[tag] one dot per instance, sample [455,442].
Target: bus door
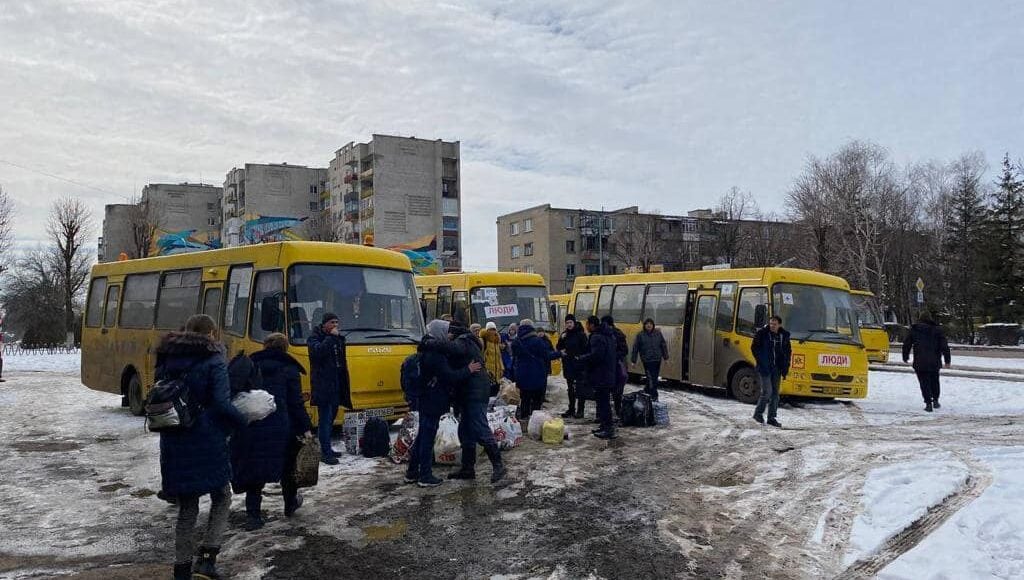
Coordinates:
[702,343]
[213,292]
[110,363]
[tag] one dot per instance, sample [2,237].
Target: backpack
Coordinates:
[637,410]
[412,379]
[167,406]
[376,438]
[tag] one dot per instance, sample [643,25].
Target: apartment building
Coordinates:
[272,202]
[401,193]
[116,236]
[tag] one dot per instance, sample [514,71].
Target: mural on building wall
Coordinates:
[264,229]
[168,243]
[422,252]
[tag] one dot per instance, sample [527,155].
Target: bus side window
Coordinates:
[460,313]
[139,303]
[179,298]
[666,304]
[746,317]
[628,303]
[430,309]
[584,305]
[113,293]
[267,305]
[211,304]
[97,291]
[604,301]
[726,305]
[444,301]
[237,304]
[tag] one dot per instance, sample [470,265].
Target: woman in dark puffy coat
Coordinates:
[573,343]
[532,354]
[264,452]
[195,461]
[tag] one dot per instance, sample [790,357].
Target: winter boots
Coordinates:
[936,404]
[253,516]
[183,571]
[206,564]
[292,505]
[928,406]
[462,473]
[497,465]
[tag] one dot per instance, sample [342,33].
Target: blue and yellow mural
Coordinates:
[264,229]
[168,243]
[422,252]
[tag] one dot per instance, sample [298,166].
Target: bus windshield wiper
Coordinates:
[393,335]
[812,332]
[347,331]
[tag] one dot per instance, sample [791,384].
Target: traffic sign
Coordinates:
[920,286]
[920,297]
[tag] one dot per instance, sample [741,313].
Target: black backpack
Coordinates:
[376,438]
[637,410]
[243,374]
[167,406]
[413,382]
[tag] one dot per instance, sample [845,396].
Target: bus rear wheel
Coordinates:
[136,403]
[746,385]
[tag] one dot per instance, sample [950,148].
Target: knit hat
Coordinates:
[328,317]
[569,317]
[491,326]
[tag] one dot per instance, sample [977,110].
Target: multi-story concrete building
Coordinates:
[401,193]
[560,243]
[179,217]
[271,202]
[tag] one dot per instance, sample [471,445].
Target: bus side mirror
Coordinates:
[760,315]
[270,314]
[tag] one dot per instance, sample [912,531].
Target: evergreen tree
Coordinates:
[1005,247]
[965,227]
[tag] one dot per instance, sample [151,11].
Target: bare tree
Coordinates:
[767,241]
[6,230]
[638,241]
[143,222]
[69,227]
[727,231]
[325,226]
[32,299]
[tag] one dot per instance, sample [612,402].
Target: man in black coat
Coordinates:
[772,351]
[930,348]
[573,343]
[621,352]
[601,362]
[328,374]
[471,397]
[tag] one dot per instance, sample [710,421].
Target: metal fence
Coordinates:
[19,350]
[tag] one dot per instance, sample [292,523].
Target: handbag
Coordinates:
[307,463]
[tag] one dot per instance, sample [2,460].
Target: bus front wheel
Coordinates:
[135,401]
[746,385]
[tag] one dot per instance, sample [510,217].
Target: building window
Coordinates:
[312,189]
[528,249]
[570,246]
[211,206]
[450,223]
[529,269]
[513,228]
[528,225]
[570,270]
[211,221]
[451,244]
[569,221]
[314,205]
[516,251]
[591,269]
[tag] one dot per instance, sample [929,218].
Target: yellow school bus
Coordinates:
[709,318]
[872,327]
[252,291]
[482,297]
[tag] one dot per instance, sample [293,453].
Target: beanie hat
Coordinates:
[328,317]
[491,326]
[569,317]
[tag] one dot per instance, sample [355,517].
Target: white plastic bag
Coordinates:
[513,431]
[254,405]
[536,424]
[447,449]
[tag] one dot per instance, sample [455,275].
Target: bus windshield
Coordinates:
[373,305]
[867,310]
[504,305]
[816,313]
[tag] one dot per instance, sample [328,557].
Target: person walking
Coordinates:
[438,380]
[533,354]
[772,351]
[472,396]
[600,362]
[492,355]
[621,352]
[572,343]
[507,338]
[196,461]
[265,451]
[651,348]
[930,348]
[328,369]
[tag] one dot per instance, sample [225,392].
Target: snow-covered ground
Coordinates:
[980,362]
[78,474]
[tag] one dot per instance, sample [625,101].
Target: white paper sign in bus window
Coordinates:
[787,298]
[834,360]
[501,310]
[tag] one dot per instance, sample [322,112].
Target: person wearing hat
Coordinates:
[573,343]
[492,355]
[328,372]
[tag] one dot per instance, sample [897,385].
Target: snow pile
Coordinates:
[54,363]
[984,539]
[981,362]
[896,495]
[891,396]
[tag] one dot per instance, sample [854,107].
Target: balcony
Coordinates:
[366,175]
[366,192]
[349,178]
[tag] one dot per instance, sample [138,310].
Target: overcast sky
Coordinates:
[664,105]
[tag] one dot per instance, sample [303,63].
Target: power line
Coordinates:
[58,177]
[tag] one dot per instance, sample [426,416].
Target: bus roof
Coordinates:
[863,293]
[559,298]
[708,278]
[264,254]
[469,280]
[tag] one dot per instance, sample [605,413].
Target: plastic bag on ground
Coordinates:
[509,393]
[401,450]
[505,427]
[660,414]
[352,431]
[447,449]
[254,405]
[307,463]
[536,424]
[553,431]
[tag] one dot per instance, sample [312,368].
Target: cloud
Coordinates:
[659,104]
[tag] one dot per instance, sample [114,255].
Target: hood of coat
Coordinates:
[277,356]
[490,335]
[180,343]
[525,331]
[438,329]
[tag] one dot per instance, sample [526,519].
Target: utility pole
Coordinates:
[600,242]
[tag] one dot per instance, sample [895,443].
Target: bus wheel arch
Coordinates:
[131,391]
[744,383]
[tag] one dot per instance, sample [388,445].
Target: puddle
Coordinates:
[143,492]
[46,446]
[387,532]
[112,487]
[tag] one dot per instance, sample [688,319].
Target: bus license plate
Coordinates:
[832,390]
[834,360]
[382,413]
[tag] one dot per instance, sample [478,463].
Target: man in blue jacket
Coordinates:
[329,377]
[532,354]
[772,351]
[601,362]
